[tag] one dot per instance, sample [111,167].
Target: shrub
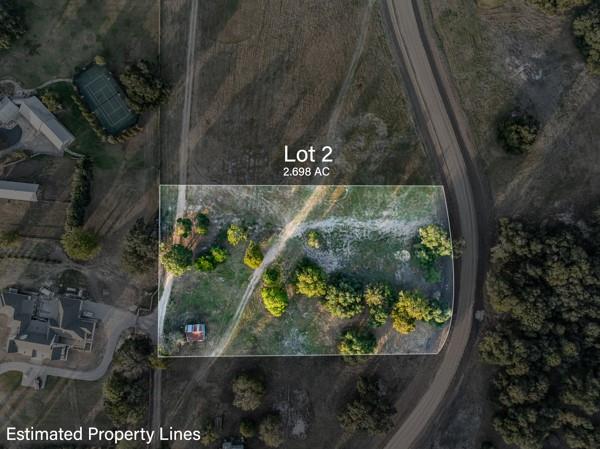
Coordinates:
[247,428]
[343,299]
[248,392]
[313,239]
[517,132]
[141,247]
[275,300]
[205,262]
[202,223]
[271,431]
[80,244]
[253,256]
[81,185]
[144,89]
[236,234]
[558,6]
[311,280]
[219,254]
[176,259]
[586,29]
[412,307]
[433,243]
[9,238]
[356,341]
[378,298]
[183,227]
[270,277]
[51,101]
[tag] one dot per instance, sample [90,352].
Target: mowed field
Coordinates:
[364,232]
[268,74]
[64,34]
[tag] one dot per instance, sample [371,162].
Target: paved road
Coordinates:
[449,144]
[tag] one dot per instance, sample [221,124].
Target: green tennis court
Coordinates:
[105,98]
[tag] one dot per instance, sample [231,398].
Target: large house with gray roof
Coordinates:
[44,327]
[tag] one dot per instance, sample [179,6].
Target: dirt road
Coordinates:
[448,143]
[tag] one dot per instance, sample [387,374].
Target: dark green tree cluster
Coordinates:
[544,287]
[144,89]
[357,341]
[201,224]
[177,259]
[253,256]
[379,300]
[140,247]
[344,298]
[183,227]
[12,23]
[81,187]
[433,243]
[209,260]
[126,389]
[517,132]
[273,293]
[80,244]
[270,430]
[370,411]
[586,29]
[413,306]
[558,6]
[248,391]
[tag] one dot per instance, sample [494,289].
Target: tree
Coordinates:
[248,392]
[202,222]
[370,411]
[343,299]
[311,280]
[275,300]
[313,239]
[209,434]
[518,132]
[236,234]
[433,243]
[412,307]
[219,254]
[271,431]
[270,277]
[253,256]
[52,101]
[378,298]
[141,247]
[205,262]
[12,23]
[80,244]
[81,186]
[176,259]
[144,89]
[247,428]
[586,29]
[356,341]
[183,227]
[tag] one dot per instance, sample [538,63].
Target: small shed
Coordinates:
[195,332]
[20,191]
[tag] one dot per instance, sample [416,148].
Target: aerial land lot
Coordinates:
[300,73]
[362,233]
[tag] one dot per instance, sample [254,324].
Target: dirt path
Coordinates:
[288,231]
[339,102]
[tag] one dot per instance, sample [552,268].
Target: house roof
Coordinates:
[195,332]
[21,191]
[34,111]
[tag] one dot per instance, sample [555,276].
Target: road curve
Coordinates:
[446,142]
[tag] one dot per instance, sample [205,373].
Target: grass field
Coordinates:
[364,232]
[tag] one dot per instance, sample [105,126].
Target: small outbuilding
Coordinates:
[20,191]
[195,332]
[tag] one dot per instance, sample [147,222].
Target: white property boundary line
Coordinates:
[182,187]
